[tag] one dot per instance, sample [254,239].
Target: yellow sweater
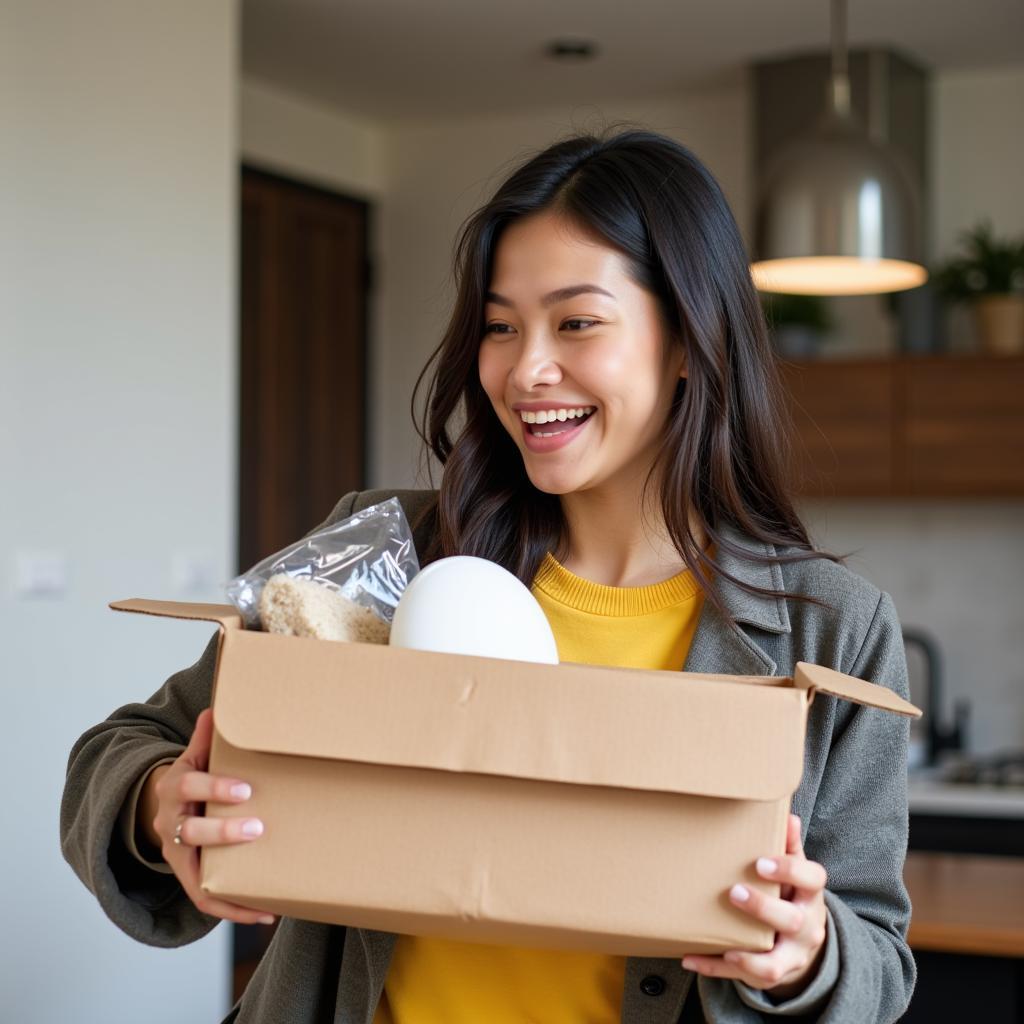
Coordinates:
[436,981]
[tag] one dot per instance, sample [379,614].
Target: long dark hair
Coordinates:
[724,455]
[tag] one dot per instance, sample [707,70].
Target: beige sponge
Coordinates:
[301,607]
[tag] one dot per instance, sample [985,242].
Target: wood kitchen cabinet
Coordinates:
[963,425]
[844,420]
[913,426]
[967,936]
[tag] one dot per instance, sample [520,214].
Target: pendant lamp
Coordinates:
[838,214]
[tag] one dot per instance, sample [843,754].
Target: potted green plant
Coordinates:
[989,277]
[796,323]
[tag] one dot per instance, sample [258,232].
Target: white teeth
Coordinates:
[549,415]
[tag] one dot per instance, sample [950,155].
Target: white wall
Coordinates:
[977,152]
[955,569]
[977,156]
[117,390]
[319,145]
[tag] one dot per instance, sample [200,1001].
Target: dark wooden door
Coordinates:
[303,387]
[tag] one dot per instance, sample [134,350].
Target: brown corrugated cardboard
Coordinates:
[563,806]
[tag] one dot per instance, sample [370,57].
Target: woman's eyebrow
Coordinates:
[558,295]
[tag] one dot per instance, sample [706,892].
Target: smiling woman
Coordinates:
[622,455]
[624,448]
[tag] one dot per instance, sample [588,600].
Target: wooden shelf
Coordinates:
[910,426]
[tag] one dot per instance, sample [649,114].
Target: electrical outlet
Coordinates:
[40,573]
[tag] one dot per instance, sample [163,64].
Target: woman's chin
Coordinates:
[552,483]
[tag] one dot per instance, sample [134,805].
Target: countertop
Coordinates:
[966,903]
[928,795]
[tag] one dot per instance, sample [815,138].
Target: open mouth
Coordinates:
[556,426]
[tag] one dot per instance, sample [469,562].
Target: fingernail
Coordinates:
[241,790]
[252,827]
[688,963]
[767,866]
[731,955]
[266,920]
[740,893]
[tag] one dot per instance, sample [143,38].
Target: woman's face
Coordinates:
[601,349]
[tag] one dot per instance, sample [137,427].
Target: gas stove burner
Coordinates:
[1005,768]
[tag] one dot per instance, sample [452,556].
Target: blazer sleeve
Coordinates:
[103,768]
[103,784]
[859,831]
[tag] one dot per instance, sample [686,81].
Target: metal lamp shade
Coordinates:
[837,216]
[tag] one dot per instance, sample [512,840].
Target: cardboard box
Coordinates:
[563,806]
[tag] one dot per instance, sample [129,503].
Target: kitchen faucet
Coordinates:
[939,737]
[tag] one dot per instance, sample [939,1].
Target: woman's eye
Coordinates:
[578,325]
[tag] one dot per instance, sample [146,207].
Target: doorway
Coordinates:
[303,321]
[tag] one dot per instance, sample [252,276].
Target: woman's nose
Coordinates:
[535,363]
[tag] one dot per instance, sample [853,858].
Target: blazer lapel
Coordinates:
[378,948]
[718,647]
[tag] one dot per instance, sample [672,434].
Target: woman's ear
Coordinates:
[684,368]
[675,356]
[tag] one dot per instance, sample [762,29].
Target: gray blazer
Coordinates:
[852,802]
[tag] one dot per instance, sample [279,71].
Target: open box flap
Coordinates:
[860,691]
[226,614]
[572,723]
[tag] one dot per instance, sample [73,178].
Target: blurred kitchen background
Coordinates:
[225,253]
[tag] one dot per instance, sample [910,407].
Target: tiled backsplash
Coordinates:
[955,569]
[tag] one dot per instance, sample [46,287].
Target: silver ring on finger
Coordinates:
[177,840]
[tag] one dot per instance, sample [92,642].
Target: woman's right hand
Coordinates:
[172,795]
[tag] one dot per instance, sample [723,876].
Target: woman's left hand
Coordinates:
[798,918]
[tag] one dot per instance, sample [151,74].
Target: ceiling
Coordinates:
[389,59]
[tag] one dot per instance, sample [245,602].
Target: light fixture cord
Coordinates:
[839,88]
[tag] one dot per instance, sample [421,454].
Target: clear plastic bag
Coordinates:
[368,558]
